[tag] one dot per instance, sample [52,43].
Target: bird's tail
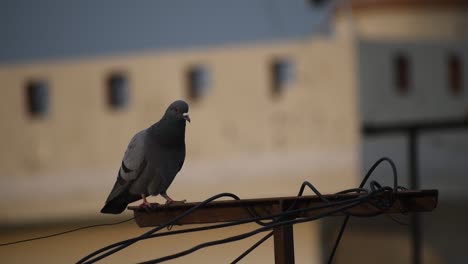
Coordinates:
[114,207]
[118,204]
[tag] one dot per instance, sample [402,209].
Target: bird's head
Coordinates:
[178,110]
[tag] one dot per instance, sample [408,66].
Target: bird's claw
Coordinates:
[147,206]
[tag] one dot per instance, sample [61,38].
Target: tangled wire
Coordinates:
[268,222]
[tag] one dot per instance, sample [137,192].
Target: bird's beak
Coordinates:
[186,117]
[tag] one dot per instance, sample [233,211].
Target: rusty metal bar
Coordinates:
[231,210]
[234,210]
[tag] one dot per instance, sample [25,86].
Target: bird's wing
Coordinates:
[134,158]
[133,163]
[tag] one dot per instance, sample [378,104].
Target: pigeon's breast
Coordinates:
[164,168]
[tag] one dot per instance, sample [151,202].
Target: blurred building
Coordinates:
[275,89]
[271,85]
[412,59]
[412,67]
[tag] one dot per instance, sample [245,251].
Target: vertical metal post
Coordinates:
[283,240]
[416,230]
[284,245]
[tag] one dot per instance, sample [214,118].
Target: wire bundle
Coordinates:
[371,196]
[275,220]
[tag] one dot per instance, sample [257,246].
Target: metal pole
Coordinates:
[283,237]
[284,244]
[416,230]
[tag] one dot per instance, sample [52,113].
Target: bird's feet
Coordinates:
[169,200]
[147,205]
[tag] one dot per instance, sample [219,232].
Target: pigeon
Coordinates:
[153,158]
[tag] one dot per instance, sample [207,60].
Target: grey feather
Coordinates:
[133,163]
[133,157]
[153,158]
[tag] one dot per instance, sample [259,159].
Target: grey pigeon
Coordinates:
[152,159]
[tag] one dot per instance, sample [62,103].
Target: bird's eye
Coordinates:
[176,110]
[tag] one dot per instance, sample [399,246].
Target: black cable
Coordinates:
[254,246]
[133,240]
[248,220]
[62,233]
[363,182]
[338,239]
[355,190]
[279,219]
[170,223]
[153,230]
[263,239]
[376,188]
[308,184]
[352,203]
[251,233]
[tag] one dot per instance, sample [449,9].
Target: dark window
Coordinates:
[37,96]
[198,82]
[282,75]
[401,73]
[316,3]
[117,90]
[455,74]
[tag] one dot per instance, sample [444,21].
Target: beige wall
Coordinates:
[79,146]
[240,139]
[412,23]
